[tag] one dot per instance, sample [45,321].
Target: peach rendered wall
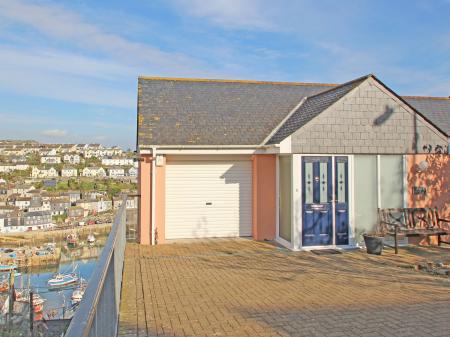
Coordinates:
[264,197]
[145,191]
[160,200]
[436,180]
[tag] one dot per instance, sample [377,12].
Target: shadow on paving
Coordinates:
[209,289]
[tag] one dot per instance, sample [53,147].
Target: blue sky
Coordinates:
[68,68]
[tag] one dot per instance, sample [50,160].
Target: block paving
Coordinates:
[241,287]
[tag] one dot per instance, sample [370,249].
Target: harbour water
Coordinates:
[57,301]
[58,304]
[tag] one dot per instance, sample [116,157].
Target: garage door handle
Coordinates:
[208,203]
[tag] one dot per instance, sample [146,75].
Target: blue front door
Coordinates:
[317,205]
[325,214]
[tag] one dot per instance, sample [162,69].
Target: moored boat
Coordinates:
[62,280]
[8,267]
[77,295]
[91,239]
[4,286]
[72,240]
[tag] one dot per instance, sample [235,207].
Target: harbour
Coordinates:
[53,302]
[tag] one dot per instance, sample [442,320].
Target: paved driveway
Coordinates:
[247,288]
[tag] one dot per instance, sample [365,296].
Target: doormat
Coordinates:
[325,251]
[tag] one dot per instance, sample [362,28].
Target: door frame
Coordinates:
[297,202]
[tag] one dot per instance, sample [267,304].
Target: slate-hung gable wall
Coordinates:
[367,121]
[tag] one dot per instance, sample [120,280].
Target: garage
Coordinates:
[208,198]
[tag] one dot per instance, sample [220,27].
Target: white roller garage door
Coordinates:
[208,199]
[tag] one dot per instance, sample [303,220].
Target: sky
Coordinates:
[69,68]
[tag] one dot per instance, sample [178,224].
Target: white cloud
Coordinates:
[58,23]
[56,133]
[98,64]
[253,14]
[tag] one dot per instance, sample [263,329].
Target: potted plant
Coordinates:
[374,242]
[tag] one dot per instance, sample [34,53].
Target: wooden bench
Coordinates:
[410,222]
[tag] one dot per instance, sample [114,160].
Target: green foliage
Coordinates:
[33,159]
[59,218]
[16,176]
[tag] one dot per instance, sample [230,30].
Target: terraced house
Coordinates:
[305,164]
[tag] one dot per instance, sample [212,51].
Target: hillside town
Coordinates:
[43,186]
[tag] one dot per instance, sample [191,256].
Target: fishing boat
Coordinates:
[4,286]
[72,240]
[38,308]
[62,280]
[78,293]
[90,239]
[8,267]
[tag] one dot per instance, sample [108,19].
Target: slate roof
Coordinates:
[187,112]
[436,109]
[312,107]
[214,112]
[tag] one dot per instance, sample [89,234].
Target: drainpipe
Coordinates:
[153,194]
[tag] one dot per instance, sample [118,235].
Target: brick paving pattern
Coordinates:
[247,288]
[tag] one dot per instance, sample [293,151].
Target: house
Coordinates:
[22,203]
[37,172]
[117,161]
[37,220]
[68,172]
[132,172]
[115,172]
[59,206]
[73,196]
[8,209]
[304,164]
[25,221]
[21,189]
[93,151]
[72,158]
[98,172]
[49,151]
[50,160]
[7,168]
[76,212]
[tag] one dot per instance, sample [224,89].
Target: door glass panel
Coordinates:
[341,179]
[308,183]
[323,179]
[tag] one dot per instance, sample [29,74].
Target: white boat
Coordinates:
[62,280]
[91,239]
[77,295]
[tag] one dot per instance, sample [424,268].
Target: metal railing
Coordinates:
[98,313]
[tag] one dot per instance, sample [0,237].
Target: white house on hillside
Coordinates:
[117,161]
[116,172]
[68,172]
[93,172]
[50,160]
[71,158]
[44,173]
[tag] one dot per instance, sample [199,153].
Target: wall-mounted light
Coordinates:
[423,166]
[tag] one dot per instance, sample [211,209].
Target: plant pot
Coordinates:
[374,244]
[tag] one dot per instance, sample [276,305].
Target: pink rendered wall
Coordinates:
[160,199]
[144,189]
[436,180]
[264,197]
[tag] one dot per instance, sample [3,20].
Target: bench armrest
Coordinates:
[391,223]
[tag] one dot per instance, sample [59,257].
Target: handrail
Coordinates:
[98,312]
